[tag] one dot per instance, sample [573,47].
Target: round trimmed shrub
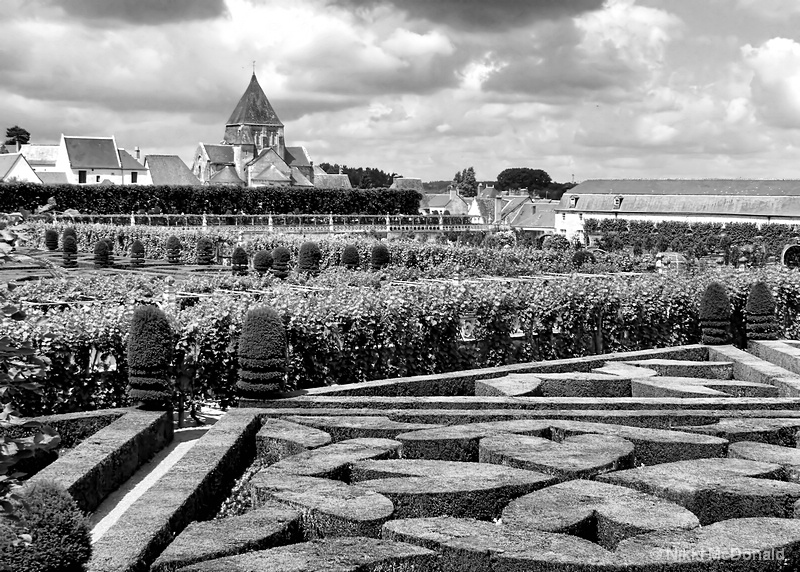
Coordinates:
[262,354]
[69,231]
[173,249]
[760,313]
[581,257]
[150,346]
[61,536]
[309,258]
[205,251]
[715,315]
[69,251]
[262,261]
[137,252]
[51,239]
[281,258]
[101,254]
[239,261]
[380,256]
[350,257]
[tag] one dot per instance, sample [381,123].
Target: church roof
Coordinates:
[272,174]
[299,179]
[221,154]
[254,108]
[297,157]
[170,170]
[226,176]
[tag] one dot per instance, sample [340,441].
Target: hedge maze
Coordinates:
[683,459]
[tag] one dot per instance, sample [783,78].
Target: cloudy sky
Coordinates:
[583,88]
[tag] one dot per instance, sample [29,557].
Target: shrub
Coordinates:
[281,257]
[760,313]
[137,252]
[69,251]
[262,354]
[101,254]
[205,251]
[173,248]
[239,261]
[581,257]
[350,257]
[309,258]
[69,231]
[51,239]
[715,315]
[149,356]
[60,535]
[262,261]
[380,256]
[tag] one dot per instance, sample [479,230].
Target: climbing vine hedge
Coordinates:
[340,334]
[212,199]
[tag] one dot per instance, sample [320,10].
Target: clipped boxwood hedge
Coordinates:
[262,354]
[150,347]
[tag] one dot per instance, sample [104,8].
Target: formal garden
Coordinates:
[448,401]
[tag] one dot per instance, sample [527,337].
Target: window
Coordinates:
[617,202]
[81,177]
[97,178]
[573,201]
[134,177]
[580,216]
[563,216]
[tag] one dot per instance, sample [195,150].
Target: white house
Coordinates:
[691,201]
[98,160]
[14,168]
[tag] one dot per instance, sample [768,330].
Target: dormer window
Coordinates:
[573,201]
[617,202]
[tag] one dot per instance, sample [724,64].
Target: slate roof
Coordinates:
[219,154]
[333,181]
[523,213]
[407,183]
[128,162]
[92,152]
[272,174]
[297,157]
[40,155]
[169,170]
[226,176]
[486,208]
[254,108]
[724,187]
[53,177]
[299,179]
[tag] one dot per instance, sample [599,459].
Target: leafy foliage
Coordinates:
[17,134]
[360,177]
[466,183]
[380,256]
[239,261]
[262,261]
[309,258]
[350,257]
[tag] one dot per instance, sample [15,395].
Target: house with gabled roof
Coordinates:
[15,168]
[449,203]
[98,160]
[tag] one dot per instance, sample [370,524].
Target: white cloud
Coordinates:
[776,81]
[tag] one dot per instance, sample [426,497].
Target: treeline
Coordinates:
[361,177]
[212,199]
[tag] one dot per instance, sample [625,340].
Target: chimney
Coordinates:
[340,169]
[138,152]
[453,192]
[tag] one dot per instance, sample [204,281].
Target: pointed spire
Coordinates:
[254,108]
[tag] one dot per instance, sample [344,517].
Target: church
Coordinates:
[253,151]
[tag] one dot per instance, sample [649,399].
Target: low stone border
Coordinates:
[105,460]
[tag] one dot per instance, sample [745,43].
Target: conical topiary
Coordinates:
[760,313]
[281,258]
[309,258]
[262,261]
[380,256]
[239,261]
[715,315]
[173,250]
[69,231]
[137,252]
[350,257]
[262,354]
[150,345]
[69,251]
[101,254]
[205,252]
[51,239]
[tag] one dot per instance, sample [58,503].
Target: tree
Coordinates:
[16,135]
[516,178]
[466,183]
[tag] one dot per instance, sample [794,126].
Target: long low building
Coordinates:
[692,201]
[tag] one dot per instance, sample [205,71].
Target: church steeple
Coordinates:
[254,121]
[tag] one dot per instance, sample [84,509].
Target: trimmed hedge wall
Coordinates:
[212,199]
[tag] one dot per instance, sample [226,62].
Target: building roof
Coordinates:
[722,187]
[533,216]
[128,162]
[92,152]
[332,181]
[254,108]
[40,155]
[7,162]
[226,176]
[486,208]
[297,157]
[407,183]
[53,177]
[169,170]
[272,174]
[299,179]
[219,154]
[489,192]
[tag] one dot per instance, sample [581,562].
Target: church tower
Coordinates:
[253,126]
